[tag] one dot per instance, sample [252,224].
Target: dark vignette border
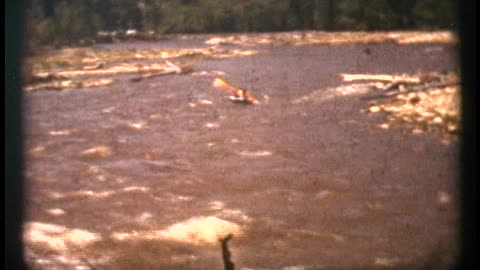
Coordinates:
[14,36]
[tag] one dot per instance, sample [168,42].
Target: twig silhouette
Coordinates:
[226,255]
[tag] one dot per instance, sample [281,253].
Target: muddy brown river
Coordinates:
[304,180]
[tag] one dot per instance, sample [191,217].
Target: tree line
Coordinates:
[70,22]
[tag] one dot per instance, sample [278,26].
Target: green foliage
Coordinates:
[431,14]
[67,22]
[70,22]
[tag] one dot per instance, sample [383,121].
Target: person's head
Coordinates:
[240,93]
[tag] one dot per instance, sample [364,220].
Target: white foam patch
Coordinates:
[212,125]
[90,193]
[294,267]
[100,194]
[209,73]
[55,211]
[96,194]
[200,230]
[136,188]
[58,237]
[443,197]
[145,216]
[197,231]
[108,109]
[62,260]
[323,194]
[234,214]
[174,198]
[139,125]
[181,198]
[205,101]
[98,173]
[231,214]
[101,151]
[322,95]
[63,132]
[216,205]
[325,235]
[256,153]
[81,193]
[215,41]
[155,116]
[385,262]
[37,149]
